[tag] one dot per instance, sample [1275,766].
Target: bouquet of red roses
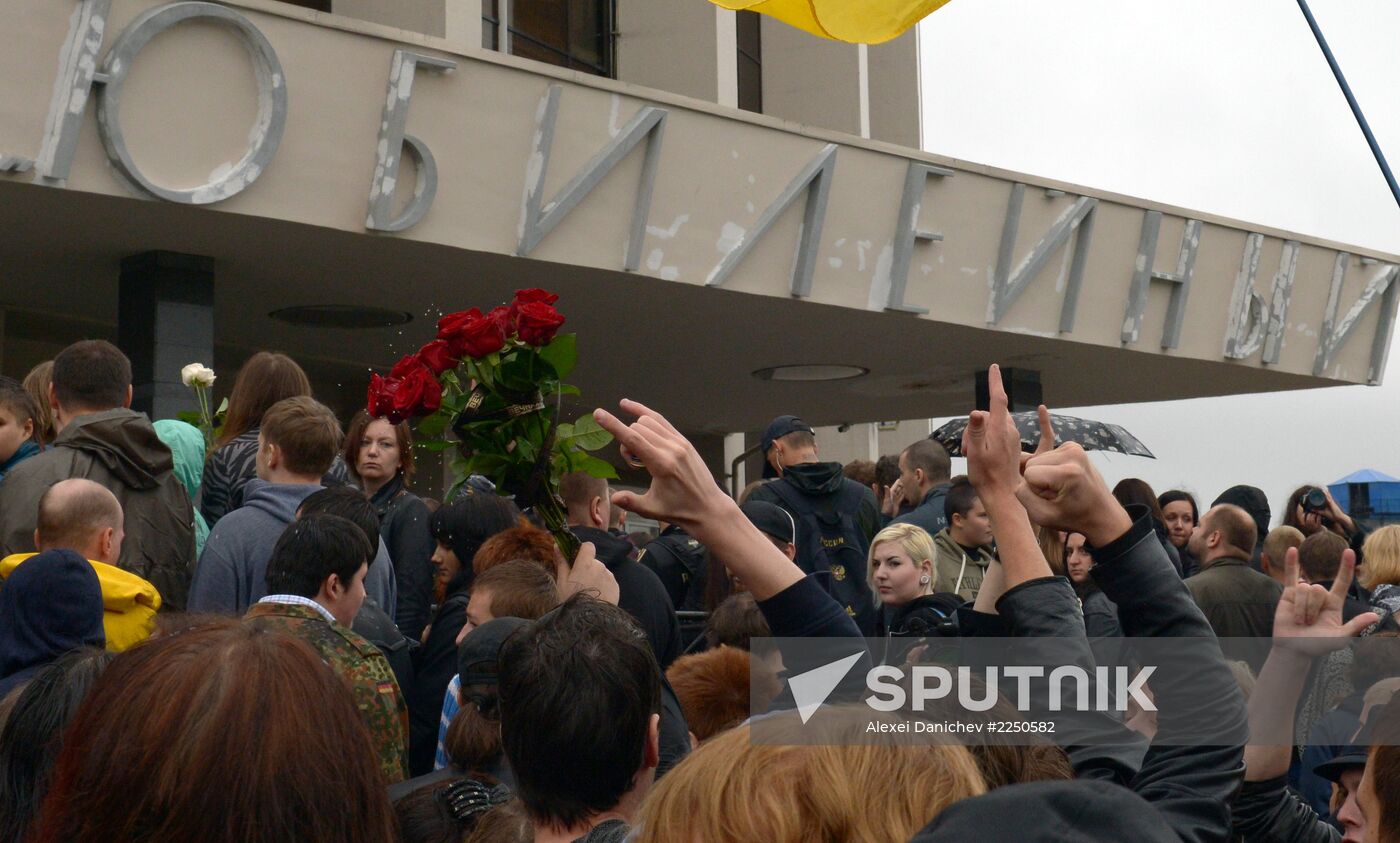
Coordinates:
[495,382]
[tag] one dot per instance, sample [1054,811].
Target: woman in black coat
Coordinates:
[457,531]
[1100,615]
[380,458]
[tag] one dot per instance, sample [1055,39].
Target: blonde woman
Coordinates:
[902,577]
[1381,574]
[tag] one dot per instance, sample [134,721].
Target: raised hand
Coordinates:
[1308,619]
[682,489]
[1061,489]
[586,574]
[684,493]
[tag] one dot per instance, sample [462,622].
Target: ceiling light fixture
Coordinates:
[811,372]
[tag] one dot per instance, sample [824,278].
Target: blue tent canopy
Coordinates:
[1368,494]
[1366,475]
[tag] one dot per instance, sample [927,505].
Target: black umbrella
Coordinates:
[1092,435]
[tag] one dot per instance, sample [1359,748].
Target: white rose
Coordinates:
[197,374]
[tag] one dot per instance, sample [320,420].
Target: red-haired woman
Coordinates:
[225,733]
[380,458]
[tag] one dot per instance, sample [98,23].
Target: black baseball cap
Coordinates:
[777,429]
[483,646]
[772,519]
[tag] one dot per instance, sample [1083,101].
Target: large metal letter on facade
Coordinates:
[1007,285]
[1335,334]
[538,220]
[1144,275]
[393,140]
[1249,327]
[907,231]
[272,101]
[815,179]
[77,73]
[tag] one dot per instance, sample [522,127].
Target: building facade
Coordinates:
[738,217]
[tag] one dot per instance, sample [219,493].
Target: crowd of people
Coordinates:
[274,638]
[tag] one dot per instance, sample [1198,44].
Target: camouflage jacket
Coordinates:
[364,669]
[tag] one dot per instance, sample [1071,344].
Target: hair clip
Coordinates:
[466,798]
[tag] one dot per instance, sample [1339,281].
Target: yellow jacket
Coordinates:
[129,603]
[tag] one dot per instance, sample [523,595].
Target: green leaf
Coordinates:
[587,435]
[435,444]
[223,407]
[569,389]
[190,417]
[434,425]
[561,354]
[594,467]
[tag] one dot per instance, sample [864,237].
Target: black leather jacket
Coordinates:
[1186,789]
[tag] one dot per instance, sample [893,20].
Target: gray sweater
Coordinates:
[232,570]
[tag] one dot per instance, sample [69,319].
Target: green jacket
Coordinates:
[955,572]
[1239,602]
[364,669]
[118,449]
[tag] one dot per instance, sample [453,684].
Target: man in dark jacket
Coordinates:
[102,440]
[836,517]
[1238,601]
[640,593]
[924,472]
[679,562]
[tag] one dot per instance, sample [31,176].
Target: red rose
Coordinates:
[406,364]
[471,334]
[535,294]
[437,356]
[418,394]
[537,322]
[381,398]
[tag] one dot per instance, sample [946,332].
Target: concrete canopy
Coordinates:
[688,351]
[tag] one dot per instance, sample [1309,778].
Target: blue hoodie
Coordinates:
[50,605]
[232,570]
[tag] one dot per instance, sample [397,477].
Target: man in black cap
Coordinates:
[835,517]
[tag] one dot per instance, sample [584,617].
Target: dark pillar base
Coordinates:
[1022,386]
[165,320]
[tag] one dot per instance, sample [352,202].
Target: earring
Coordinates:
[923,580]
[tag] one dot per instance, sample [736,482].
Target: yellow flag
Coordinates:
[856,21]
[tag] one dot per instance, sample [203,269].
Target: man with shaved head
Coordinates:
[80,515]
[1238,601]
[86,518]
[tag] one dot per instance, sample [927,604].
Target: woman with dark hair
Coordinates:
[1181,515]
[227,733]
[1131,490]
[380,459]
[1100,615]
[33,735]
[458,529]
[266,378]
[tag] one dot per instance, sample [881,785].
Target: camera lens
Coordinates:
[1315,499]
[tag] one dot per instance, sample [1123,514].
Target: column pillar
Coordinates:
[165,320]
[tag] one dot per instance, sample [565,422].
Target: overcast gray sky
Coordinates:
[1225,106]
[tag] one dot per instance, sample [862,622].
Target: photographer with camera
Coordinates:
[1311,509]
